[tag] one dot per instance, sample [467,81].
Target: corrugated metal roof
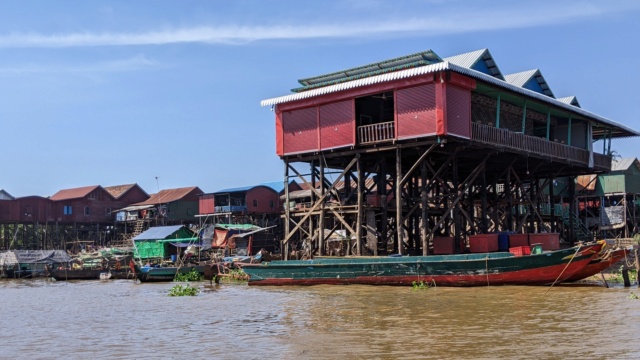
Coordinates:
[158,232]
[571,100]
[470,59]
[522,78]
[171,195]
[75,193]
[5,195]
[118,190]
[427,69]
[623,164]
[276,186]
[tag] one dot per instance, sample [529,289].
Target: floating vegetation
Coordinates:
[421,285]
[192,275]
[634,296]
[183,290]
[235,276]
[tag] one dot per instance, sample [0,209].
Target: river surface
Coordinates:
[121,319]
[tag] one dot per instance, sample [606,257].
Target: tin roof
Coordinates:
[75,193]
[571,100]
[118,190]
[480,60]
[158,232]
[530,79]
[624,164]
[5,195]
[619,130]
[171,195]
[277,186]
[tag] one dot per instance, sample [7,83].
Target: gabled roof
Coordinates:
[4,194]
[571,100]
[400,63]
[75,193]
[277,186]
[479,60]
[171,195]
[624,164]
[530,79]
[118,190]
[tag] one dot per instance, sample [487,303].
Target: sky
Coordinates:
[167,94]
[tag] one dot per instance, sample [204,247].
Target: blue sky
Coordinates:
[118,92]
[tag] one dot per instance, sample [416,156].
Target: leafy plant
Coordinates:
[186,290]
[423,285]
[634,296]
[235,276]
[192,275]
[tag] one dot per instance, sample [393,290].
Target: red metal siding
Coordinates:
[279,135]
[416,108]
[206,204]
[300,129]
[337,124]
[458,112]
[264,197]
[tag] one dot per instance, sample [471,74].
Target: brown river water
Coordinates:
[120,319]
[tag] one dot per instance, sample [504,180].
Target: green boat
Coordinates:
[500,268]
[153,274]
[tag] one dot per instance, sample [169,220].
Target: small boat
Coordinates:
[87,274]
[599,263]
[105,275]
[151,273]
[481,269]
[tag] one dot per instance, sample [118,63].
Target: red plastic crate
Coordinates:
[483,243]
[520,250]
[516,240]
[549,241]
[443,245]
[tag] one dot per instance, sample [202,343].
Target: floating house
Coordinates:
[170,206]
[461,148]
[31,263]
[163,242]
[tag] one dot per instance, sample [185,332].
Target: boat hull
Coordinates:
[445,270]
[598,264]
[87,274]
[153,274]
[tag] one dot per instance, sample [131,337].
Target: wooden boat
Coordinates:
[150,273]
[87,274]
[599,263]
[442,270]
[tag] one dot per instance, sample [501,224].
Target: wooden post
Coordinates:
[424,223]
[552,205]
[321,224]
[507,188]
[360,206]
[287,211]
[398,183]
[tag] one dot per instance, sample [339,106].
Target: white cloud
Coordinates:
[135,63]
[454,20]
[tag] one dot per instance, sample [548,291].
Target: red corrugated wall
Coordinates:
[300,130]
[337,125]
[458,111]
[416,110]
[206,204]
[264,197]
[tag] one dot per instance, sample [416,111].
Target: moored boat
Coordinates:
[599,263]
[87,274]
[482,269]
[168,273]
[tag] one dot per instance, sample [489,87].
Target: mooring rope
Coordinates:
[565,268]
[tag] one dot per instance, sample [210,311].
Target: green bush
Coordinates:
[192,275]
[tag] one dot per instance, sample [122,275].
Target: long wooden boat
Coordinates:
[151,274]
[442,270]
[599,263]
[87,274]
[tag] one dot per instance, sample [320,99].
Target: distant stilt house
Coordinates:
[167,207]
[610,202]
[455,148]
[31,263]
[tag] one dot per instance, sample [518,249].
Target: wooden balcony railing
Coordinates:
[535,145]
[374,133]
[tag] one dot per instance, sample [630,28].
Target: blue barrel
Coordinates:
[503,241]
[173,258]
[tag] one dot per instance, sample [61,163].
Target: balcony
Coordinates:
[535,145]
[231,209]
[376,133]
